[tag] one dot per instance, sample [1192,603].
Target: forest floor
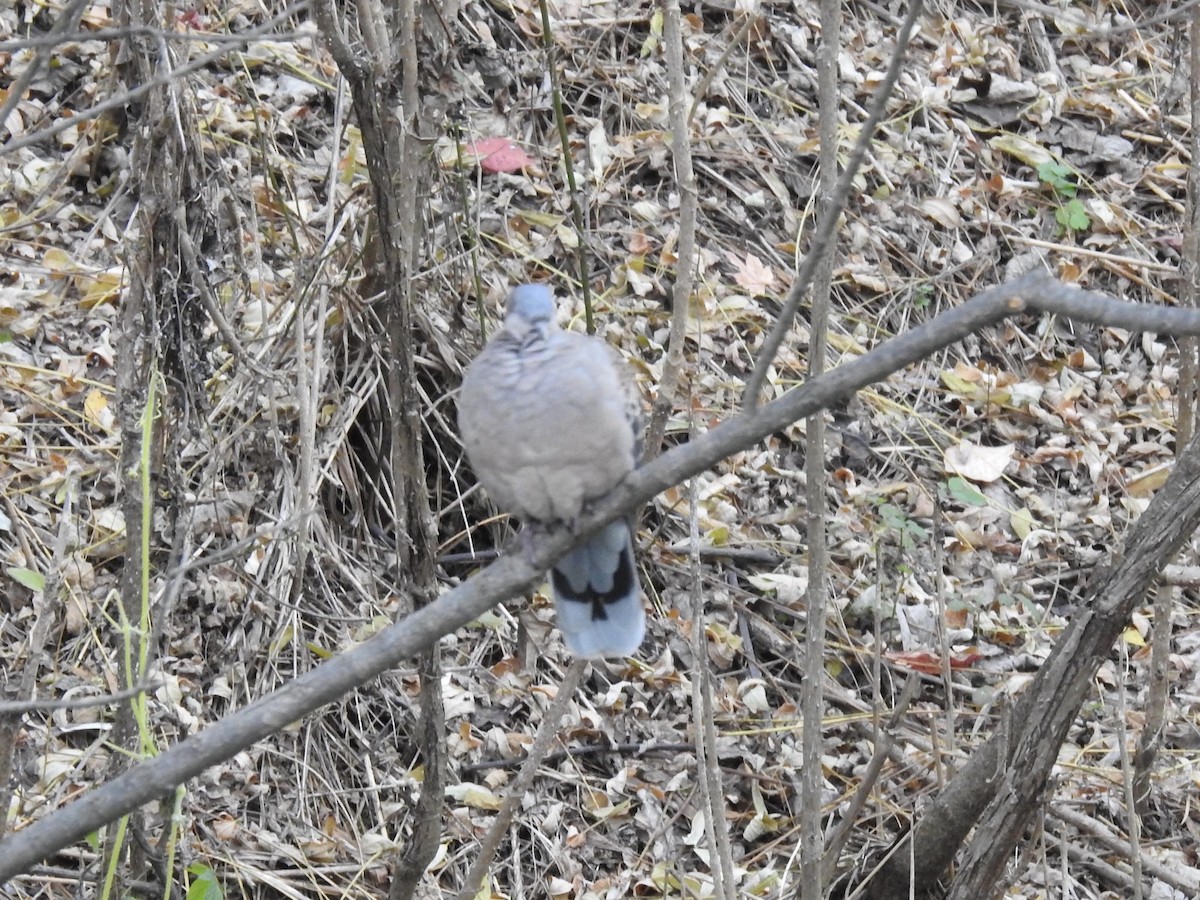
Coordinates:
[968,498]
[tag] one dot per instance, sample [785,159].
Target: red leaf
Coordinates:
[499,154]
[192,20]
[931,663]
[917,661]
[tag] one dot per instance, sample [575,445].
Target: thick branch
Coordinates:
[1002,781]
[512,574]
[1049,705]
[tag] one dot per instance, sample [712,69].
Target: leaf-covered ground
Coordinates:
[968,498]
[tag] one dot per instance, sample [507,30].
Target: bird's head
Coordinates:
[530,309]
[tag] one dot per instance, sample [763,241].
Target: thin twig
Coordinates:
[16,90]
[125,97]
[564,138]
[1134,847]
[197,280]
[1188,400]
[20,707]
[46,608]
[831,212]
[812,783]
[125,32]
[945,650]
[708,773]
[685,178]
[706,80]
[1068,17]
[883,741]
[517,572]
[636,750]
[546,734]
[1181,877]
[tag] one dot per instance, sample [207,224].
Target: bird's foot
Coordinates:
[532,534]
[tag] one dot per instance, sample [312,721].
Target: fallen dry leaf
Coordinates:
[977,463]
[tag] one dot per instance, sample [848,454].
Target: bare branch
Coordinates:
[685,178]
[830,213]
[19,707]
[517,572]
[1011,775]
[16,90]
[812,776]
[124,97]
[55,39]
[1181,877]
[582,255]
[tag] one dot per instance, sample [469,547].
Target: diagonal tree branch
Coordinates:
[1044,712]
[514,573]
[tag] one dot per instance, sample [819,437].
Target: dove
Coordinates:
[551,421]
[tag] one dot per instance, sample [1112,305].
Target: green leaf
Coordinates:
[1073,216]
[35,581]
[541,219]
[965,492]
[718,536]
[892,516]
[204,885]
[1060,178]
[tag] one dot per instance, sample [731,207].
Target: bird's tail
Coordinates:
[598,597]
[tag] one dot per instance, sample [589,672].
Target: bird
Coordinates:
[551,421]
